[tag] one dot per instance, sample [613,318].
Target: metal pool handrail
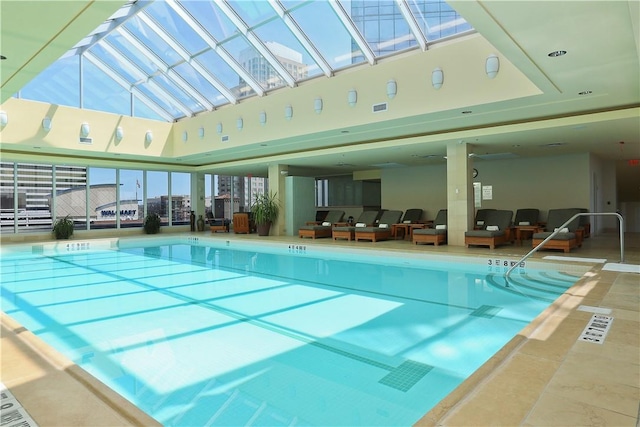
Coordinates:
[557,230]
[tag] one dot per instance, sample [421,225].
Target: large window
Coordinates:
[103,204]
[130,196]
[70,196]
[180,198]
[158,195]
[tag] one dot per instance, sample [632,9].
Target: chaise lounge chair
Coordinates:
[217,224]
[435,235]
[382,231]
[323,229]
[497,230]
[366,219]
[565,240]
[481,218]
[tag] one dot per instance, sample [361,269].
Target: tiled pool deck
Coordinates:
[544,376]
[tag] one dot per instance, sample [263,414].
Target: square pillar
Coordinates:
[459,192]
[277,175]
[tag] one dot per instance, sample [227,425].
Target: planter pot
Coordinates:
[263,229]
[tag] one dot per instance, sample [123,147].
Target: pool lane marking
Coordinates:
[388,380]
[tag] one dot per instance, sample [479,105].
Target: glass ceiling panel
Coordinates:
[200,84]
[224,73]
[212,19]
[155,43]
[57,84]
[104,94]
[437,19]
[170,87]
[160,99]
[151,46]
[176,27]
[382,25]
[124,68]
[317,19]
[288,49]
[253,62]
[131,52]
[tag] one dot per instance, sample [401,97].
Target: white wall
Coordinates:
[543,183]
[418,187]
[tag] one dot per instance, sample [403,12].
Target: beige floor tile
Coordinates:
[624,301]
[602,393]
[521,381]
[553,410]
[596,368]
[617,352]
[554,338]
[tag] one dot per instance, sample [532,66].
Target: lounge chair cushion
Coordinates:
[441,227]
[430,231]
[560,236]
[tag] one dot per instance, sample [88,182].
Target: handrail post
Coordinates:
[555,232]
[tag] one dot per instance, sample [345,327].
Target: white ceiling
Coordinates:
[602,43]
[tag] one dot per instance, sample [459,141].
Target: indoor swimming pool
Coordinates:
[203,332]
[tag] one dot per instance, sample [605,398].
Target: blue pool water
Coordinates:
[200,335]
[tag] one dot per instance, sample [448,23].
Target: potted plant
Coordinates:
[152,223]
[63,228]
[264,210]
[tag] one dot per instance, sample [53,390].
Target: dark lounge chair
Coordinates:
[565,240]
[323,229]
[497,230]
[435,235]
[380,232]
[366,218]
[217,224]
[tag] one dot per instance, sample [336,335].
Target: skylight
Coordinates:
[170,59]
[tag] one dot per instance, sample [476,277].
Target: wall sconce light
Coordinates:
[4,118]
[263,118]
[219,128]
[201,132]
[288,112]
[85,129]
[492,66]
[317,105]
[239,123]
[119,133]
[284,172]
[392,89]
[352,97]
[185,136]
[46,124]
[437,78]
[148,137]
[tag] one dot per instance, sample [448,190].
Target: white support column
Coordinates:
[277,175]
[459,192]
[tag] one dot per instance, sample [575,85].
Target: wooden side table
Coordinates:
[524,230]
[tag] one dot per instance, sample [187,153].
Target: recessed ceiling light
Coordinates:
[467,112]
[585,92]
[557,53]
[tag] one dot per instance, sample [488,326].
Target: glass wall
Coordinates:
[130,196]
[103,204]
[33,196]
[158,195]
[180,198]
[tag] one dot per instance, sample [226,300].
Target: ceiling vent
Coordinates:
[379,108]
[224,138]
[388,165]
[86,140]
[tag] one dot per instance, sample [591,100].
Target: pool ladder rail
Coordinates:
[558,230]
